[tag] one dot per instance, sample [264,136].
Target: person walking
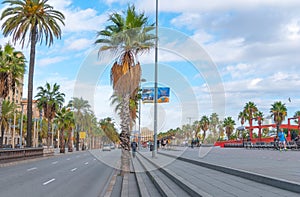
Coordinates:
[133,148]
[282,140]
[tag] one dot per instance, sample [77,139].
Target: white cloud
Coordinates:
[48,61]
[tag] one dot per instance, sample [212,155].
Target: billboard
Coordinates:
[163,95]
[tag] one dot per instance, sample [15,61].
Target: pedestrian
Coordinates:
[293,135]
[282,140]
[133,148]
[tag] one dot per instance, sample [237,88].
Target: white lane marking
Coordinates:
[55,162]
[86,163]
[30,169]
[47,182]
[78,156]
[94,159]
[73,169]
[68,158]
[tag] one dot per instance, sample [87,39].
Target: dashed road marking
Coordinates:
[73,169]
[30,169]
[55,162]
[86,163]
[68,159]
[47,182]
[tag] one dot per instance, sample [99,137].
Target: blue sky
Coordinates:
[252,47]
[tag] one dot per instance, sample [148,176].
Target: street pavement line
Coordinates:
[86,163]
[55,162]
[73,169]
[30,169]
[47,182]
[68,159]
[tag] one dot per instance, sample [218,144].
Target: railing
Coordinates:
[19,154]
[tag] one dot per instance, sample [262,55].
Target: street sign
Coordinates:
[82,135]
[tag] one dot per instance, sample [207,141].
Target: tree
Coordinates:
[50,100]
[65,120]
[38,20]
[204,124]
[297,114]
[229,126]
[214,121]
[8,109]
[109,129]
[278,111]
[12,68]
[242,116]
[80,108]
[126,37]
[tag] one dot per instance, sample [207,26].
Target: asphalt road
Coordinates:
[76,174]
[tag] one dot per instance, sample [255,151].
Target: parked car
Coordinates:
[106,147]
[112,146]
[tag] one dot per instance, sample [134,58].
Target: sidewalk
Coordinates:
[281,165]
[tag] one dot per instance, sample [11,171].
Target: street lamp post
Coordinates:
[21,125]
[154,151]
[140,109]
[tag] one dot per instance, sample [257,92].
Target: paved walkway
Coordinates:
[282,165]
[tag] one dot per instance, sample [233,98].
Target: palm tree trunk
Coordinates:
[2,135]
[49,131]
[62,141]
[30,87]
[125,134]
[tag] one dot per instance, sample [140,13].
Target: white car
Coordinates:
[106,147]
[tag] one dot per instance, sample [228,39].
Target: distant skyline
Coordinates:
[252,47]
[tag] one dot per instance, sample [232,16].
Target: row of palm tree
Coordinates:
[31,22]
[219,128]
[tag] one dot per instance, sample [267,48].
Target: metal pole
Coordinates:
[154,151]
[21,126]
[139,137]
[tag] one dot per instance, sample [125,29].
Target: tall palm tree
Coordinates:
[278,111]
[204,123]
[38,20]
[229,126]
[80,107]
[242,116]
[64,119]
[250,109]
[50,99]
[127,36]
[8,109]
[214,121]
[12,69]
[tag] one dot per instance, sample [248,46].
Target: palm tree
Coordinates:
[50,100]
[8,109]
[80,108]
[38,20]
[64,119]
[229,126]
[242,116]
[278,111]
[204,124]
[127,37]
[297,114]
[214,121]
[250,109]
[12,68]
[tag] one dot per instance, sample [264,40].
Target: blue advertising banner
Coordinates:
[163,95]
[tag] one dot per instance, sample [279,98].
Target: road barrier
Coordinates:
[20,154]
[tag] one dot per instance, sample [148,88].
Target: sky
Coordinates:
[214,55]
